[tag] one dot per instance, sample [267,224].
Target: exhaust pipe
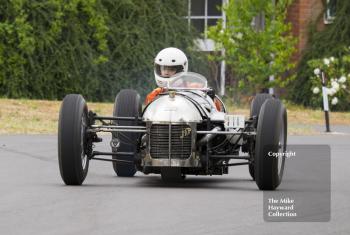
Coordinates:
[208,137]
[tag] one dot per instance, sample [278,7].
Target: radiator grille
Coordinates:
[180,141]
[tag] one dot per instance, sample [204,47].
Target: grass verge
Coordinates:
[40,116]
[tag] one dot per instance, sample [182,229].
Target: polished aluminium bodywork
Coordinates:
[168,109]
[180,106]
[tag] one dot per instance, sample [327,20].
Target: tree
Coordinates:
[253,52]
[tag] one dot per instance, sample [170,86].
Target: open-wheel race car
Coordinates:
[180,133]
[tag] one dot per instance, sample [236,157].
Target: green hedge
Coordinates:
[93,47]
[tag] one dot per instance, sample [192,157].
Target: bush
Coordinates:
[333,72]
[93,47]
[324,44]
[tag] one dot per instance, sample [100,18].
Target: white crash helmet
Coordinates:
[172,58]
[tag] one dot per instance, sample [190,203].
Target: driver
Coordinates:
[167,63]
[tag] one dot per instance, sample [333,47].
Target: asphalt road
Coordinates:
[34,200]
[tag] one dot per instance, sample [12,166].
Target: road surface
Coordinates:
[34,200]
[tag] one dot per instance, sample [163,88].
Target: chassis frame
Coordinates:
[248,133]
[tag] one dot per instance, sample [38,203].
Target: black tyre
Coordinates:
[251,167]
[255,108]
[127,104]
[72,124]
[257,102]
[271,138]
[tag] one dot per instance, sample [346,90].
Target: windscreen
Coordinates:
[187,81]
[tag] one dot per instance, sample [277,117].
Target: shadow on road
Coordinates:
[189,183]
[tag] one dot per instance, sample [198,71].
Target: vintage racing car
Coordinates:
[179,133]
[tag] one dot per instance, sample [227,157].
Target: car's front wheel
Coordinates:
[271,141]
[72,142]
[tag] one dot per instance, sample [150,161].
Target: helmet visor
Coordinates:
[166,71]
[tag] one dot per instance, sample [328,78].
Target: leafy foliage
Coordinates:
[93,47]
[335,73]
[327,43]
[253,53]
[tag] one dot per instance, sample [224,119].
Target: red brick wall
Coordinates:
[300,14]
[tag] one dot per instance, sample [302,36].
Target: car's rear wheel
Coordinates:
[72,142]
[255,108]
[127,104]
[257,102]
[271,139]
